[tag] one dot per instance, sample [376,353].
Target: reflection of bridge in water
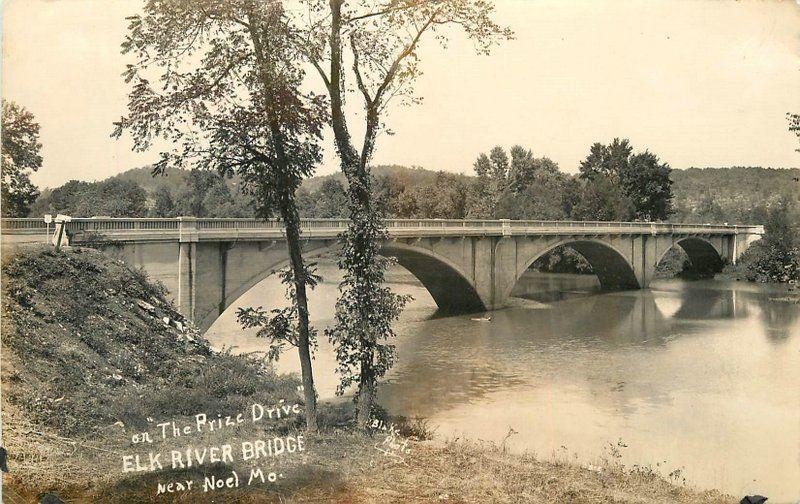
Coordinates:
[466,265]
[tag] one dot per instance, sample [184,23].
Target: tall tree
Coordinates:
[382,40]
[226,89]
[63,199]
[484,193]
[641,180]
[645,181]
[206,194]
[519,186]
[163,203]
[602,200]
[521,172]
[113,198]
[20,151]
[606,160]
[499,170]
[331,199]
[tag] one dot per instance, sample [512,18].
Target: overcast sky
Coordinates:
[703,83]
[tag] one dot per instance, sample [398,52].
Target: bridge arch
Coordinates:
[612,267]
[449,287]
[704,255]
[207,315]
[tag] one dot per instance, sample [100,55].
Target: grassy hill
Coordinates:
[85,328]
[409,176]
[175,179]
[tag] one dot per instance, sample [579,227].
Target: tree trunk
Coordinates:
[292,223]
[366,396]
[354,167]
[291,220]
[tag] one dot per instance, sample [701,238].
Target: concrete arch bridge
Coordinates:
[466,265]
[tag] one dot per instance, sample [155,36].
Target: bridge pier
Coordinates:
[187,266]
[185,299]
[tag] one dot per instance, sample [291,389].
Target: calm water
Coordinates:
[698,376]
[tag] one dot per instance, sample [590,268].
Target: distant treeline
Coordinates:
[136,193]
[613,183]
[735,195]
[519,186]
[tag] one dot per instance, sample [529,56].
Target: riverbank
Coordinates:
[94,356]
[346,467]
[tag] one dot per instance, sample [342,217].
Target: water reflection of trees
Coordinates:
[711,304]
[779,319]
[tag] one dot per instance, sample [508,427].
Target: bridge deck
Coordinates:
[195,229]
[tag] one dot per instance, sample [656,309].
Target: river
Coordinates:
[700,377]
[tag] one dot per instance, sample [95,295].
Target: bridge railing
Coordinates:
[26,224]
[109,224]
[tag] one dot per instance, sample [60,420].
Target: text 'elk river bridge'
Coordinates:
[466,265]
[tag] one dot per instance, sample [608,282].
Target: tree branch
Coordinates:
[322,73]
[357,71]
[400,57]
[389,10]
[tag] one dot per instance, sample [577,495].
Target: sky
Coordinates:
[699,83]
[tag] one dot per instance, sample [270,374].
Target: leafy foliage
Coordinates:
[625,186]
[777,259]
[794,125]
[329,201]
[281,325]
[765,262]
[646,183]
[163,203]
[601,200]
[738,194]
[239,110]
[444,197]
[20,152]
[207,195]
[365,311]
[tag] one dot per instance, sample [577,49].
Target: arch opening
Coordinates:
[690,258]
[704,258]
[451,291]
[600,268]
[612,269]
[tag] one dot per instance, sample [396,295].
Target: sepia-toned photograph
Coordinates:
[400,251]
